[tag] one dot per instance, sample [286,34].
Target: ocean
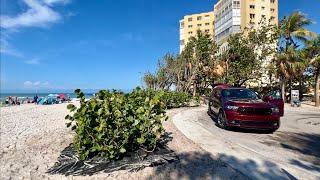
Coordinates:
[31,95]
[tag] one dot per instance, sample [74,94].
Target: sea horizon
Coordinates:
[44,93]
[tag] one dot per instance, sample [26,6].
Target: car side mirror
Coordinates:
[267,98]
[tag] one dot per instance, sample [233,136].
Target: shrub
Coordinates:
[113,123]
[174,99]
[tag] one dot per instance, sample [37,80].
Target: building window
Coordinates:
[182,25]
[272,1]
[252,16]
[207,24]
[199,18]
[207,15]
[189,19]
[272,18]
[207,30]
[236,4]
[189,26]
[199,25]
[263,8]
[190,32]
[272,9]
[252,6]
[263,16]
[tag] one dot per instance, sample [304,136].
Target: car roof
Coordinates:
[225,87]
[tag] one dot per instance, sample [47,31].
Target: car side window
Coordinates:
[276,94]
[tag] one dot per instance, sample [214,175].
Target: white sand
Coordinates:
[32,137]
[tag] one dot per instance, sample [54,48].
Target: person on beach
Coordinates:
[7,101]
[35,99]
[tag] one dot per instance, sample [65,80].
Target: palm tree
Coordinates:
[150,80]
[290,65]
[291,28]
[313,51]
[294,27]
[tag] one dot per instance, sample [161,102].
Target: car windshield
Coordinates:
[239,94]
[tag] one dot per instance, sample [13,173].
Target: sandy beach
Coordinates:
[32,137]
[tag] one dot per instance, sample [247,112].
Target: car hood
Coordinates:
[258,103]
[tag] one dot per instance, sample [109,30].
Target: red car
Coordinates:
[243,108]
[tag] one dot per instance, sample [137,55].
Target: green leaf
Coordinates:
[70,106]
[122,150]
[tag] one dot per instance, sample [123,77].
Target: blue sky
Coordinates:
[66,44]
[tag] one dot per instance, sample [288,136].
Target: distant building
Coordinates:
[228,17]
[233,16]
[190,24]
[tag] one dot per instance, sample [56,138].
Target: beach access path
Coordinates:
[33,136]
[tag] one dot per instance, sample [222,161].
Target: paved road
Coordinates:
[293,152]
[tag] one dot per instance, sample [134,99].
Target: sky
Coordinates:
[97,44]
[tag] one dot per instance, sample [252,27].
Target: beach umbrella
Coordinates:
[52,95]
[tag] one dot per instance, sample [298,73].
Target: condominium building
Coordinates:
[229,17]
[190,24]
[233,16]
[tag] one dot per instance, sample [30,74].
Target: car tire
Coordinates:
[209,109]
[221,120]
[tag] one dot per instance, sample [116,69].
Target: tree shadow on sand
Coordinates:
[196,165]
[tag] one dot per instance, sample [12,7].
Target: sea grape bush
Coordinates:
[113,123]
[174,99]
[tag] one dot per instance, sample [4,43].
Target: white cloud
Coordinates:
[5,48]
[36,84]
[45,83]
[52,2]
[33,61]
[27,83]
[38,15]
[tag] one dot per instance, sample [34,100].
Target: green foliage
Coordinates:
[190,71]
[174,99]
[114,123]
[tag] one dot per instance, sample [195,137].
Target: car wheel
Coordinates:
[221,120]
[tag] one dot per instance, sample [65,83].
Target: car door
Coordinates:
[274,97]
[212,100]
[216,103]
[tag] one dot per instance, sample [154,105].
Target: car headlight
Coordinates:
[275,110]
[234,108]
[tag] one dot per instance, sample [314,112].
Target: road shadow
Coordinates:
[195,165]
[306,145]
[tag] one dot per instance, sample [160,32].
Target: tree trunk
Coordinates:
[194,89]
[283,88]
[301,88]
[290,89]
[316,92]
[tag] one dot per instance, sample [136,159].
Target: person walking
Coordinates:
[35,99]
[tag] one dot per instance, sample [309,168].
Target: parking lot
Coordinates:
[291,152]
